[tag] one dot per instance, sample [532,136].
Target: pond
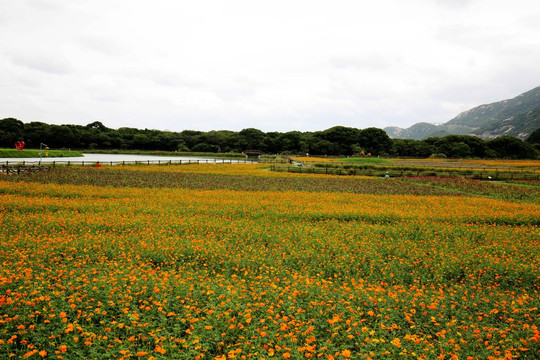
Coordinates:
[112,159]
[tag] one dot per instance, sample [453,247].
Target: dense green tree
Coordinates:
[375,141]
[11,125]
[478,146]
[534,138]
[253,138]
[412,148]
[60,136]
[271,142]
[97,125]
[322,147]
[338,140]
[204,147]
[292,141]
[460,150]
[11,130]
[36,133]
[190,137]
[342,139]
[458,146]
[512,148]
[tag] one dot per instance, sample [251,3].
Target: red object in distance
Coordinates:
[19,145]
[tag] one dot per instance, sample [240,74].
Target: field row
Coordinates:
[255,177]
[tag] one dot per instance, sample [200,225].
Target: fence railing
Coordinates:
[371,170]
[486,174]
[128,162]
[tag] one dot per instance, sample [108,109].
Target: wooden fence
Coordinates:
[23,166]
[22,169]
[476,173]
[129,162]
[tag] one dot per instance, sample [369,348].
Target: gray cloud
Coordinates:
[369,62]
[48,63]
[47,5]
[102,45]
[300,65]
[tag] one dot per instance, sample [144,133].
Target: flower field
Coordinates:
[236,262]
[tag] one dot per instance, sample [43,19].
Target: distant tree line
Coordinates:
[338,140]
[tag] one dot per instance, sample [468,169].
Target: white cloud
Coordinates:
[276,65]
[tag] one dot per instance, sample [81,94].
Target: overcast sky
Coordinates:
[276,65]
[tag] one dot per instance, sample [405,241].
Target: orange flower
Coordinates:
[30,353]
[159,350]
[396,342]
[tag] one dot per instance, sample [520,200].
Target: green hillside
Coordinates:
[517,117]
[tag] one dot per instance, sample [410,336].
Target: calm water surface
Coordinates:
[114,158]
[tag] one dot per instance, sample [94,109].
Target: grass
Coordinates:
[31,153]
[478,169]
[366,160]
[170,153]
[232,262]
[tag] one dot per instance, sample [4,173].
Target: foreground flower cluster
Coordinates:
[91,270]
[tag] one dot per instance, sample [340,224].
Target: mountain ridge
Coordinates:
[517,117]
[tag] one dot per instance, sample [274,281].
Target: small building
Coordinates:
[253,154]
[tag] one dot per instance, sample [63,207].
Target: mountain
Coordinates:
[517,117]
[417,131]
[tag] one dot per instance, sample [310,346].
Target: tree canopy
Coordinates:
[335,141]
